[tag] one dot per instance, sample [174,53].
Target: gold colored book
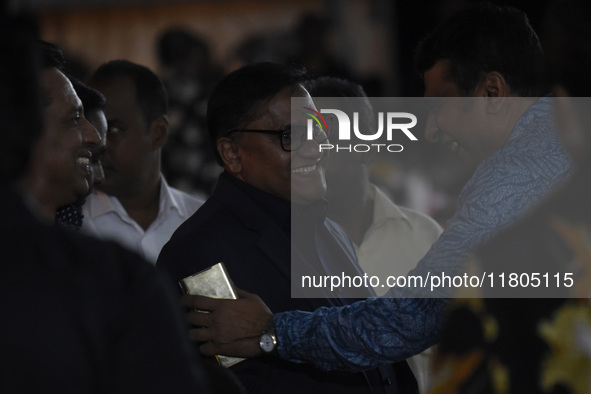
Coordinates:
[212,282]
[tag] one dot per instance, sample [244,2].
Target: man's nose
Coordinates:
[89,134]
[311,149]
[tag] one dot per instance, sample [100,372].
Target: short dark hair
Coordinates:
[334,87]
[92,99]
[566,41]
[483,38]
[238,97]
[150,92]
[21,103]
[52,56]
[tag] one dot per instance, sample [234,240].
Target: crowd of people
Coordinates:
[95,241]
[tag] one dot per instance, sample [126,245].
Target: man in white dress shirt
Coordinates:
[381,231]
[135,205]
[388,239]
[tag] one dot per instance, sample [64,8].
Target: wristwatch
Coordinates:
[268,342]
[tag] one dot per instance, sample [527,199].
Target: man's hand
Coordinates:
[232,327]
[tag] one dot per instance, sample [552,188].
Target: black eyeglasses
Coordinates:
[292,138]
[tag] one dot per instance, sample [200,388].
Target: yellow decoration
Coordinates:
[578,239]
[500,376]
[490,328]
[566,363]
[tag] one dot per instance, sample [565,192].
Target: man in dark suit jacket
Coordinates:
[266,221]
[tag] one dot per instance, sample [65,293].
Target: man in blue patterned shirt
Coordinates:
[516,158]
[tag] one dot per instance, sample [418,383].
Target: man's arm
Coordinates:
[358,336]
[374,331]
[362,335]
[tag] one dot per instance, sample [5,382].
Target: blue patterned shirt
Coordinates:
[378,330]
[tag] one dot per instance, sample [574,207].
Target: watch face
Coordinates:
[267,343]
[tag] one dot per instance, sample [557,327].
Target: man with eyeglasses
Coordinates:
[268,214]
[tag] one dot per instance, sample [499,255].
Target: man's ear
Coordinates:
[493,86]
[228,151]
[159,131]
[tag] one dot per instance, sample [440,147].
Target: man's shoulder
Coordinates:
[529,162]
[84,258]
[107,254]
[534,144]
[422,222]
[384,206]
[208,221]
[100,283]
[212,234]
[185,201]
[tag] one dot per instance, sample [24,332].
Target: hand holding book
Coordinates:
[232,327]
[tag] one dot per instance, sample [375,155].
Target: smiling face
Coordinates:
[62,161]
[293,176]
[460,125]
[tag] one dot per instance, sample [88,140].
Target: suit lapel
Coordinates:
[272,241]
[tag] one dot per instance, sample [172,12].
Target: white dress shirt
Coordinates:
[396,240]
[393,244]
[105,218]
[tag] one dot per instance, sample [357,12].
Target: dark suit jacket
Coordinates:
[81,315]
[233,228]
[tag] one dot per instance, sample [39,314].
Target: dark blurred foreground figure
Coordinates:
[78,315]
[537,345]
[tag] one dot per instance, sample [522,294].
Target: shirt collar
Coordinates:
[102,203]
[384,209]
[169,200]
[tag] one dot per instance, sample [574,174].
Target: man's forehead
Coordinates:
[278,109]
[60,88]
[120,92]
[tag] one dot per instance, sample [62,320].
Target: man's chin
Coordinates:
[308,197]
[80,201]
[307,189]
[80,196]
